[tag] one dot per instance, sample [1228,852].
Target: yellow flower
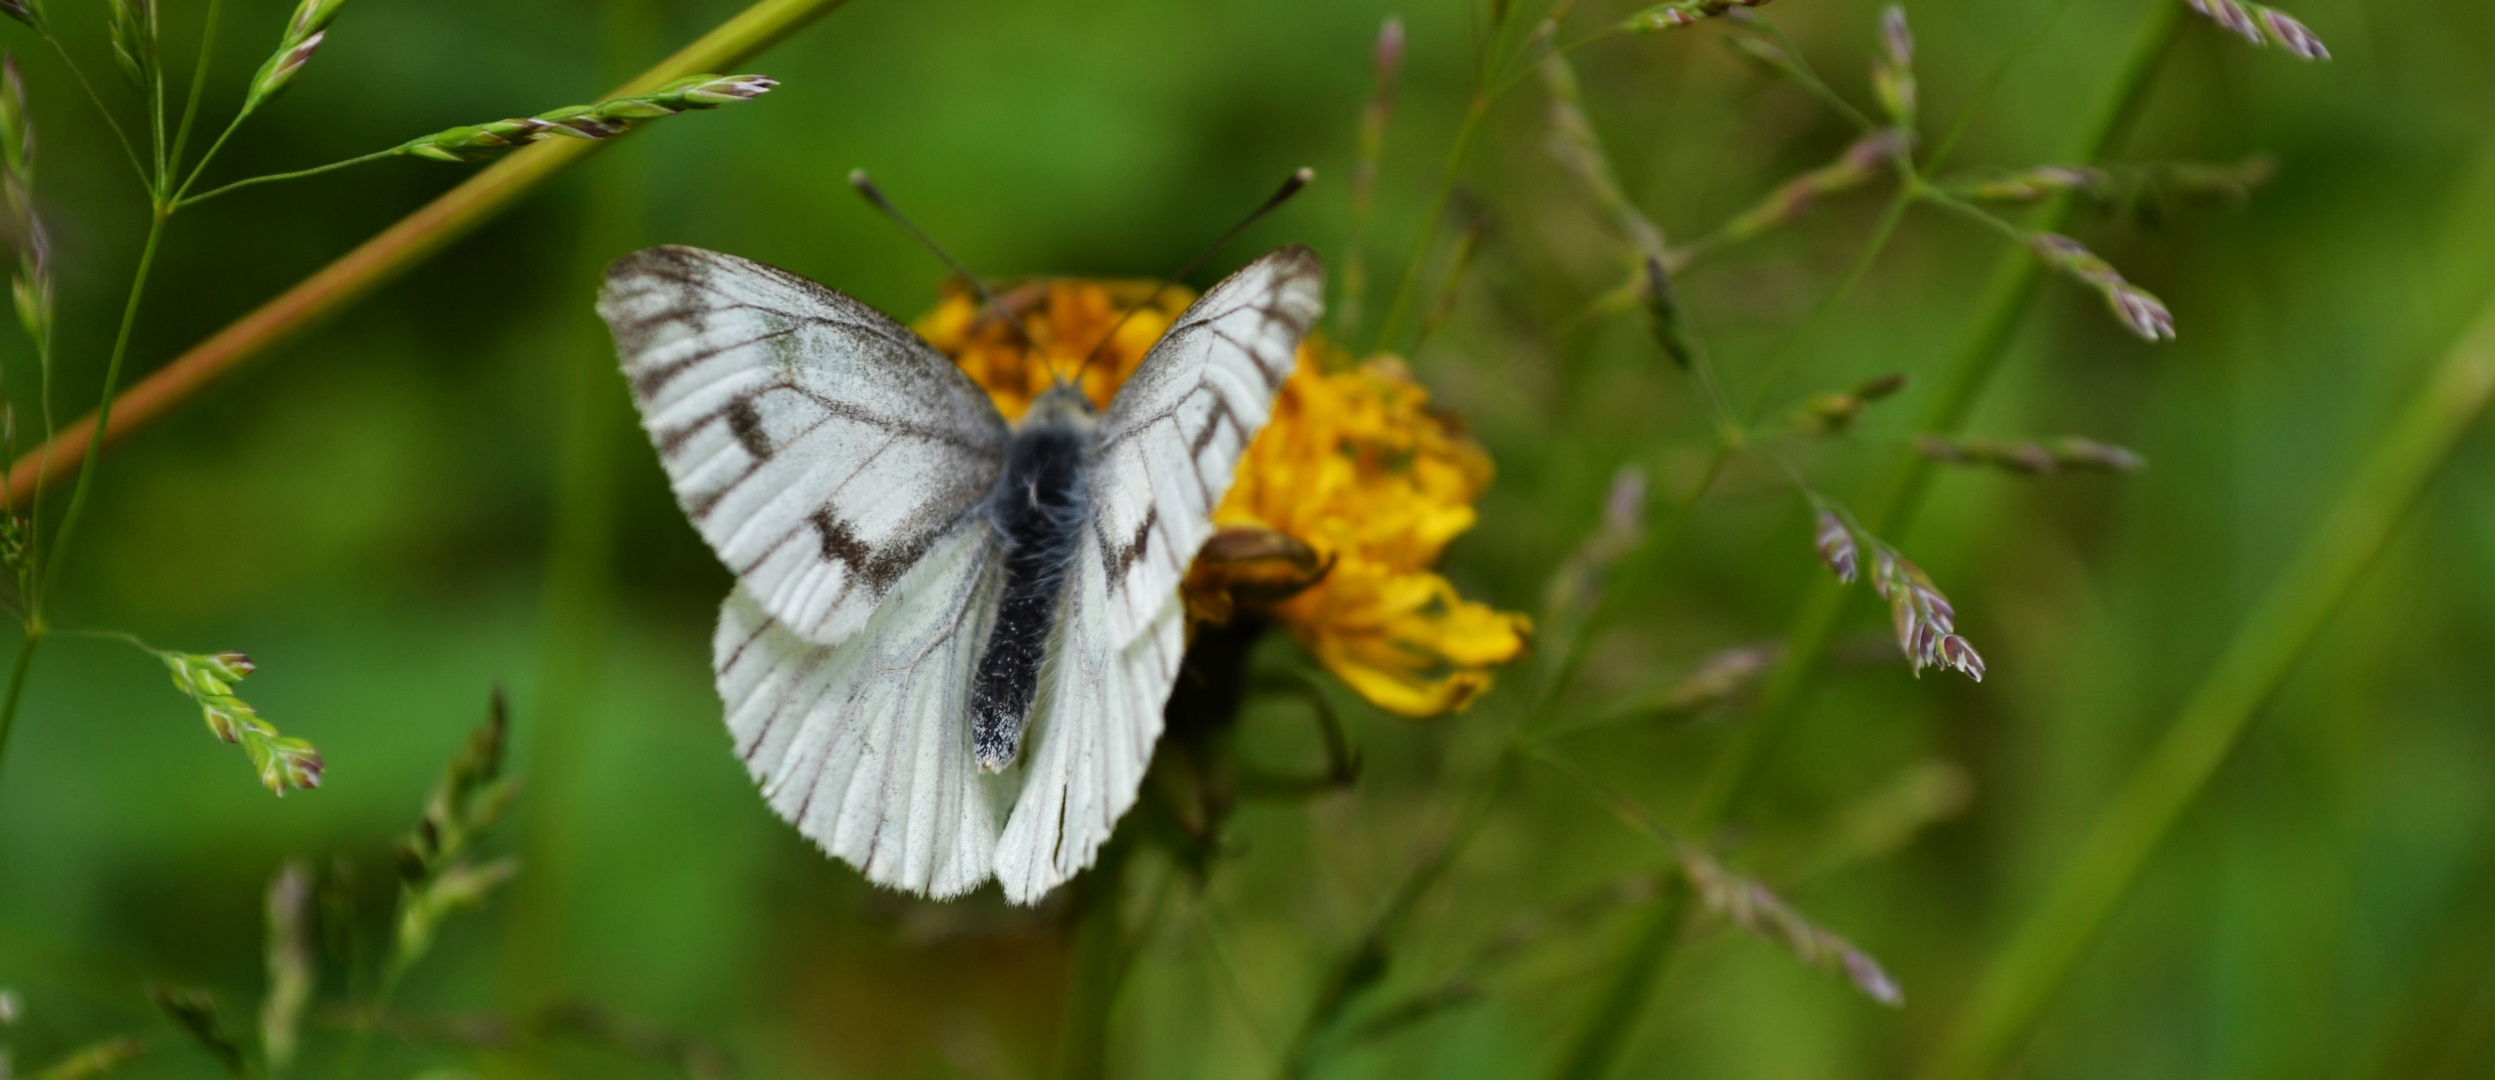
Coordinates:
[1067,320]
[1342,505]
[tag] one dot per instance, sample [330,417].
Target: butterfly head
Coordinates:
[1063,404]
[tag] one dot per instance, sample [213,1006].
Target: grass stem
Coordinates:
[1737,765]
[17,686]
[2041,953]
[271,178]
[51,570]
[1099,963]
[395,250]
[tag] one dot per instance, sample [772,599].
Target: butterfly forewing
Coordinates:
[820,447]
[1171,441]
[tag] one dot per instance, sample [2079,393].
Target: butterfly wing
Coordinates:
[820,448]
[1170,443]
[1098,715]
[1166,453]
[865,745]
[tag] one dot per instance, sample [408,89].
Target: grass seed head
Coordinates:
[1682,13]
[2028,456]
[31,288]
[2233,15]
[2292,36]
[29,12]
[195,1012]
[290,962]
[604,120]
[1836,547]
[132,26]
[1893,72]
[282,763]
[2138,309]
[1754,907]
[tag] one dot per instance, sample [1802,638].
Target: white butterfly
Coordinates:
[921,588]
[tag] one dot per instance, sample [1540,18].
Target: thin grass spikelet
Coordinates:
[1835,413]
[1681,13]
[1579,150]
[196,1013]
[436,879]
[92,1061]
[2262,24]
[2146,192]
[2292,36]
[1925,622]
[1754,907]
[1578,585]
[1924,619]
[604,120]
[1386,64]
[29,12]
[1837,550]
[31,287]
[1860,162]
[302,38]
[132,26]
[2138,309]
[283,763]
[2033,457]
[1769,57]
[290,963]
[1893,70]
[1718,677]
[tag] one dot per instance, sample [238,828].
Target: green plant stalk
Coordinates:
[2008,1000]
[1408,282]
[199,84]
[1098,962]
[1486,87]
[2014,284]
[2006,300]
[50,571]
[402,246]
[1642,563]
[194,200]
[17,686]
[1590,1056]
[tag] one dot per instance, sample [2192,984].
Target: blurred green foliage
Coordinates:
[371,511]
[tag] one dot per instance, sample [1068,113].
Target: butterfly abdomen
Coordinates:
[1037,510]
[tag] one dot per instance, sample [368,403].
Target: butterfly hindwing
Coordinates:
[865,745]
[819,447]
[1171,441]
[1094,727]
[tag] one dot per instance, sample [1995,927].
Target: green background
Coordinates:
[372,512]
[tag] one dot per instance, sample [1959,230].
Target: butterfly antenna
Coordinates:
[1290,187]
[875,195]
